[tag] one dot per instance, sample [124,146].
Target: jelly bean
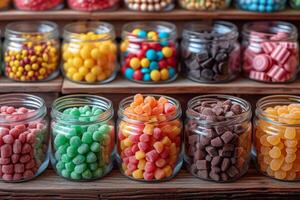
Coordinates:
[38,5]
[87,5]
[147,149]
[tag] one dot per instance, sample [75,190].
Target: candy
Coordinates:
[261,5]
[220,151]
[38,5]
[149,55]
[88,56]
[277,58]
[295,4]
[207,55]
[205,5]
[83,143]
[19,157]
[4,4]
[150,6]
[95,5]
[277,140]
[37,57]
[149,144]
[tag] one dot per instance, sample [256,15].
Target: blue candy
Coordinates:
[142,34]
[129,73]
[261,5]
[151,54]
[159,55]
[145,70]
[153,65]
[163,35]
[171,72]
[147,77]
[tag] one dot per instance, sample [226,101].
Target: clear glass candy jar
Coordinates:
[150,5]
[211,52]
[24,137]
[82,137]
[93,5]
[205,5]
[261,5]
[38,5]
[277,137]
[218,137]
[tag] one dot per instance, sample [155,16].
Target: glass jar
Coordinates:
[211,51]
[261,5]
[31,51]
[93,5]
[295,4]
[4,4]
[218,137]
[82,137]
[89,52]
[23,137]
[150,5]
[149,138]
[39,5]
[277,137]
[149,52]
[270,51]
[205,5]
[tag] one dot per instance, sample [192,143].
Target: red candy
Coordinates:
[37,5]
[93,5]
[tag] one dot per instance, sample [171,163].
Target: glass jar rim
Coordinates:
[191,31]
[39,112]
[260,112]
[284,26]
[128,27]
[68,101]
[13,32]
[128,100]
[90,26]
[190,112]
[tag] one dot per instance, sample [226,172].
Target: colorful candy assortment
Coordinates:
[149,137]
[277,142]
[31,56]
[149,54]
[205,5]
[211,52]
[82,146]
[89,57]
[38,5]
[261,5]
[93,5]
[218,135]
[271,57]
[23,142]
[150,5]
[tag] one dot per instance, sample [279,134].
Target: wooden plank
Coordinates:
[9,86]
[183,86]
[125,15]
[116,186]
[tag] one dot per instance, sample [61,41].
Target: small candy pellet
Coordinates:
[205,5]
[82,152]
[86,58]
[93,5]
[38,5]
[149,55]
[295,4]
[278,146]
[261,5]
[149,141]
[150,5]
[23,146]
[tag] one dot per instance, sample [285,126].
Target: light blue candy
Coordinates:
[163,35]
[153,65]
[142,34]
[147,77]
[172,72]
[159,55]
[151,54]
[145,70]
[129,73]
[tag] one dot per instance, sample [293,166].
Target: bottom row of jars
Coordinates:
[150,145]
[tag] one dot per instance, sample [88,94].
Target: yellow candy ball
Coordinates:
[167,52]
[71,71]
[136,31]
[155,75]
[77,62]
[164,74]
[96,70]
[95,53]
[145,62]
[77,77]
[90,78]
[135,63]
[83,71]
[85,52]
[151,34]
[89,63]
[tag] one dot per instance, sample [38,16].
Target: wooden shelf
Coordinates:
[116,186]
[8,86]
[125,15]
[183,86]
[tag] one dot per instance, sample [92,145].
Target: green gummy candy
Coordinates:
[87,137]
[96,111]
[97,136]
[60,140]
[71,133]
[93,166]
[71,151]
[104,129]
[75,176]
[70,166]
[79,159]
[78,129]
[83,149]
[65,173]
[80,168]
[65,158]
[75,112]
[60,166]
[63,149]
[95,147]
[87,174]
[98,172]
[75,141]
[91,157]
[84,119]
[92,128]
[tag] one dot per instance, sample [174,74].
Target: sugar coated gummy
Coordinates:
[23,146]
[82,147]
[278,146]
[149,141]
